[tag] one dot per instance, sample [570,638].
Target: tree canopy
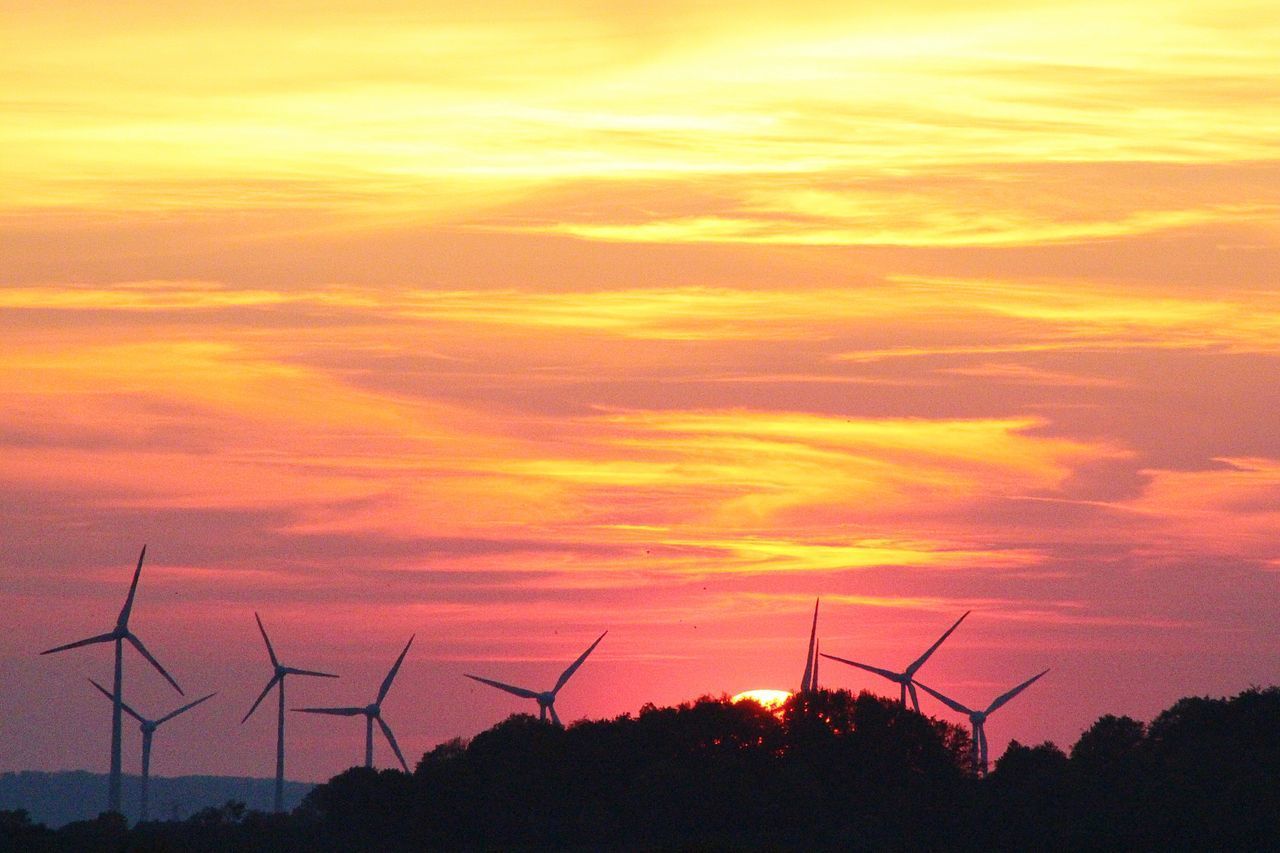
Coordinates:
[829,770]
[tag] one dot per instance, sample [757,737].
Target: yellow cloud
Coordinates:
[873,227]
[416,107]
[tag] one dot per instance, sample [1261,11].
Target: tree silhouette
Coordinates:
[829,771]
[19,833]
[1217,766]
[1027,799]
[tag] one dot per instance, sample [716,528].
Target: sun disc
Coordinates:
[767,699]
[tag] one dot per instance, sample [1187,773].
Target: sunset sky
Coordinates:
[510,324]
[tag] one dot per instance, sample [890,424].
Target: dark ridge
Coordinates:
[60,798]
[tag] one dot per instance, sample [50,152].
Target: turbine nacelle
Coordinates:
[279,671]
[148,726]
[978,749]
[546,699]
[372,712]
[906,678]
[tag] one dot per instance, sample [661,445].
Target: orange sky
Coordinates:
[510,326]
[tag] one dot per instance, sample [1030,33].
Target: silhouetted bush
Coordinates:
[19,833]
[1027,799]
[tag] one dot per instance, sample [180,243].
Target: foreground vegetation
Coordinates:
[830,771]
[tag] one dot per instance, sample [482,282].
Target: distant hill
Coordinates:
[57,799]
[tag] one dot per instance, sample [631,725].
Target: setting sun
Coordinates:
[767,699]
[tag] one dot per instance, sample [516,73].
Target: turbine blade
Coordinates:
[915,698]
[261,696]
[123,706]
[806,682]
[142,650]
[101,638]
[950,703]
[510,688]
[122,620]
[892,676]
[391,739]
[266,639]
[573,667]
[386,682]
[1005,697]
[918,662]
[555,718]
[340,712]
[293,671]
[186,707]
[982,746]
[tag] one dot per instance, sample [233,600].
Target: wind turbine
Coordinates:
[148,728]
[372,712]
[978,750]
[278,678]
[547,699]
[813,679]
[906,678]
[118,635]
[809,682]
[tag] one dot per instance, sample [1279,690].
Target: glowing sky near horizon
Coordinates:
[508,325]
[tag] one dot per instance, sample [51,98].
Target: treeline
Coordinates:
[830,771]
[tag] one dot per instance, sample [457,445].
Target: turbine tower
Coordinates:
[547,699]
[906,678]
[372,712]
[118,635]
[978,749]
[817,652]
[148,728]
[809,682]
[278,678]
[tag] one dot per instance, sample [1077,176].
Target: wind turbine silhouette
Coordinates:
[978,750]
[118,635]
[809,682]
[372,712]
[547,699]
[148,728]
[906,678]
[278,678]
